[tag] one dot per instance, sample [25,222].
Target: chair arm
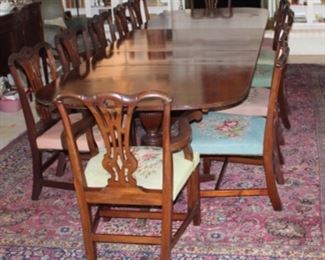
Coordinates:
[184,134]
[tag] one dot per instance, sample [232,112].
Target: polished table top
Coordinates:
[201,63]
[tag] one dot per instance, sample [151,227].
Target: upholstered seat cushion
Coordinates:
[263,76]
[266,56]
[255,104]
[226,134]
[58,21]
[149,172]
[51,139]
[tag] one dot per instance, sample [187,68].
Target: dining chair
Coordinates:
[122,177]
[263,72]
[107,16]
[124,27]
[256,103]
[136,10]
[97,32]
[34,68]
[245,139]
[145,10]
[73,48]
[269,46]
[55,19]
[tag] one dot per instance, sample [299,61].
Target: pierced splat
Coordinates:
[38,66]
[32,61]
[67,46]
[114,117]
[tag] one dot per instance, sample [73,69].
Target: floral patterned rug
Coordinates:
[232,228]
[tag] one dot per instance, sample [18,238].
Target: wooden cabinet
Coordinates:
[21,27]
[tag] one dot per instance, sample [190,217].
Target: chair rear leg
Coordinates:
[284,111]
[193,197]
[166,230]
[271,185]
[62,163]
[279,134]
[37,175]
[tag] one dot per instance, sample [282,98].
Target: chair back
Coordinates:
[135,6]
[131,15]
[145,10]
[107,16]
[71,54]
[113,113]
[121,20]
[284,17]
[98,36]
[34,68]
[276,88]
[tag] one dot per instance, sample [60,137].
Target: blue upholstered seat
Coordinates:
[227,134]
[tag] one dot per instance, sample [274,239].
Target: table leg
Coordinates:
[151,122]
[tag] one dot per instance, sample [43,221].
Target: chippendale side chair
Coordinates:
[74,51]
[245,139]
[34,68]
[264,69]
[121,179]
[103,46]
[107,16]
[121,20]
[55,19]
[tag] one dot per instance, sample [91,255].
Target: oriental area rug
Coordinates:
[231,228]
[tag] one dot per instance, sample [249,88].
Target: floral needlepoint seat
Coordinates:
[220,133]
[149,172]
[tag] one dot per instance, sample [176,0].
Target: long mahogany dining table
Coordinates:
[201,63]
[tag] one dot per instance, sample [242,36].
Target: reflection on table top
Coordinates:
[199,67]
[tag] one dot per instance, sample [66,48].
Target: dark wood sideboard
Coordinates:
[22,27]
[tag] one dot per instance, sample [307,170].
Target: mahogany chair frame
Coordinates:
[71,59]
[270,158]
[28,62]
[114,111]
[121,21]
[107,16]
[103,46]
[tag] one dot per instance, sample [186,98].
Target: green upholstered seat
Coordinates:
[149,172]
[227,134]
[266,57]
[263,76]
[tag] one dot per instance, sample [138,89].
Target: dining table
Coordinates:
[202,64]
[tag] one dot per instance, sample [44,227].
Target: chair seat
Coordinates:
[221,134]
[51,139]
[255,104]
[266,56]
[149,172]
[263,76]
